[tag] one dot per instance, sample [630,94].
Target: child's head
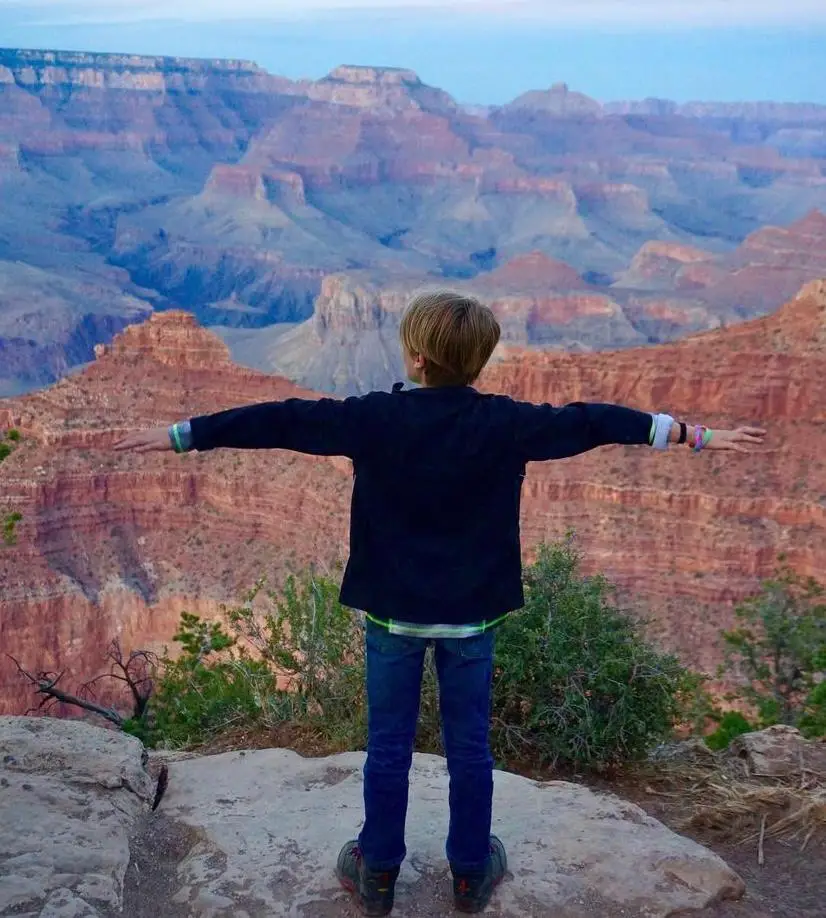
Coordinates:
[447,338]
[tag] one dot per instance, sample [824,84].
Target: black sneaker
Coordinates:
[472,892]
[373,890]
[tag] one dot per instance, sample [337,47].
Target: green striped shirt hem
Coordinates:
[412,629]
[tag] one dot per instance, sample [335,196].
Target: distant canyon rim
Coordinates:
[295,217]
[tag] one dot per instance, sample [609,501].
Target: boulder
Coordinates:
[70,794]
[256,834]
[779,752]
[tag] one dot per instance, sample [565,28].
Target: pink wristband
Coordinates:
[699,438]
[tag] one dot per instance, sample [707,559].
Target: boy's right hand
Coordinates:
[146,441]
[742,440]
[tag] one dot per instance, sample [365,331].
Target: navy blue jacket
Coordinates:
[434,524]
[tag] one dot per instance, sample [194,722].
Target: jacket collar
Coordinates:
[443,390]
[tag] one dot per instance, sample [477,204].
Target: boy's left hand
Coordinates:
[742,440]
[146,441]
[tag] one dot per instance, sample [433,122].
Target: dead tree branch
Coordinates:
[46,685]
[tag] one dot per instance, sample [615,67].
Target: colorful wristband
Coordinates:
[702,437]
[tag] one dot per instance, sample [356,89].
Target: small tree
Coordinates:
[576,681]
[778,648]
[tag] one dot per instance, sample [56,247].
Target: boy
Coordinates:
[434,557]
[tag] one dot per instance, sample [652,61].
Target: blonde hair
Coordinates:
[455,334]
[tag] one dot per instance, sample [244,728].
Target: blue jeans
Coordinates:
[394,679]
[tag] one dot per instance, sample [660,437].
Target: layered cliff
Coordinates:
[670,290]
[117,545]
[689,535]
[131,184]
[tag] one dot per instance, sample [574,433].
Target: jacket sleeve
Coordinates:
[545,432]
[323,427]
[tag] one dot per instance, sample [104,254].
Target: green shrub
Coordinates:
[13,435]
[812,722]
[778,649]
[732,724]
[5,451]
[210,687]
[10,522]
[576,682]
[307,636]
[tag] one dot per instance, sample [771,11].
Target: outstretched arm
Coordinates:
[323,427]
[546,432]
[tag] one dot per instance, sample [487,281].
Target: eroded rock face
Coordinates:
[272,823]
[688,536]
[109,547]
[70,795]
[117,546]
[133,183]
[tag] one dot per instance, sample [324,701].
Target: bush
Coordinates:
[5,451]
[316,643]
[10,521]
[13,435]
[778,650]
[207,689]
[576,682]
[812,722]
[732,724]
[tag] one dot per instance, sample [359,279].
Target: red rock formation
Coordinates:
[535,270]
[658,262]
[690,535]
[116,545]
[237,181]
[559,101]
[220,188]
[696,289]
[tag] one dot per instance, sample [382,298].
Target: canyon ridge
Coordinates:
[294,216]
[116,546]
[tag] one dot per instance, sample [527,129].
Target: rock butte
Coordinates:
[135,183]
[116,546]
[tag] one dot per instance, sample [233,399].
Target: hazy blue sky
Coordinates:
[479,51]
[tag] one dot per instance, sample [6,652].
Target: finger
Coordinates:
[753,431]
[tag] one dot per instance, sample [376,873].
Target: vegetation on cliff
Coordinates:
[577,683]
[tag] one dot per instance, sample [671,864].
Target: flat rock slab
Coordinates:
[265,828]
[70,795]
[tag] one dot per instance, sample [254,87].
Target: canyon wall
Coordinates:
[113,545]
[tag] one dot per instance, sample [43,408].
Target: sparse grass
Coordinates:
[713,797]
